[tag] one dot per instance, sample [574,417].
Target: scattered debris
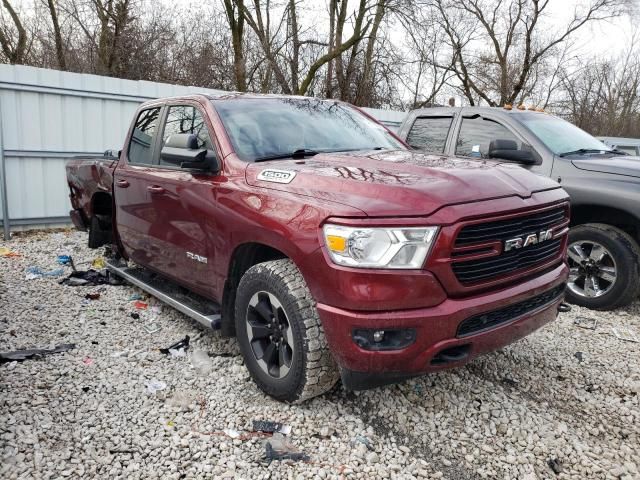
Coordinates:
[87,361]
[579,356]
[555,465]
[268,426]
[136,296]
[86,389]
[140,305]
[230,432]
[180,345]
[64,259]
[152,327]
[99,263]
[279,448]
[80,278]
[510,381]
[586,323]
[135,315]
[154,386]
[37,272]
[625,334]
[20,355]
[363,440]
[92,296]
[201,362]
[5,252]
[171,424]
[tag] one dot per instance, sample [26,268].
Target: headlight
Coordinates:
[393,247]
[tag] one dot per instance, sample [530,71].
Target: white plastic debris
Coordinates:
[230,432]
[155,386]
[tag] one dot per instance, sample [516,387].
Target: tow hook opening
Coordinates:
[564,308]
[378,339]
[451,355]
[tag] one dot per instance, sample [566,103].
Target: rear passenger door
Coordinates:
[430,133]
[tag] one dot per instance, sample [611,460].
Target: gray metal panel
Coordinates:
[48,116]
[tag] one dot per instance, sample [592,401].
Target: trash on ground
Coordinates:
[182,400]
[555,465]
[37,272]
[20,355]
[6,252]
[179,345]
[625,334]
[136,296]
[585,322]
[99,263]
[92,296]
[154,386]
[279,448]
[80,278]
[510,381]
[157,309]
[87,360]
[140,305]
[201,362]
[230,432]
[64,259]
[579,356]
[135,315]
[268,426]
[152,327]
[363,440]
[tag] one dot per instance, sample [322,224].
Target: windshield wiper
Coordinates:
[300,153]
[585,150]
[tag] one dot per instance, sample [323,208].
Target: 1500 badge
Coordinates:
[276,176]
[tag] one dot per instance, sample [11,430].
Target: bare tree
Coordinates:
[14,45]
[234,10]
[57,35]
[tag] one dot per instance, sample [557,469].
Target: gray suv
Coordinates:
[603,183]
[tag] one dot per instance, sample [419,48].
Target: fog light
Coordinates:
[369,339]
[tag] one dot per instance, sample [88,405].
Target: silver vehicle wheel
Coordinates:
[593,272]
[269,333]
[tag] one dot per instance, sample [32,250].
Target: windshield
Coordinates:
[559,135]
[261,128]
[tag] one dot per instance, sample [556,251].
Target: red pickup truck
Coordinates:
[315,236]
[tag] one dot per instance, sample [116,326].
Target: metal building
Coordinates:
[47,116]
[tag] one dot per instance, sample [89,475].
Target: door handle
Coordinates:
[155,189]
[122,183]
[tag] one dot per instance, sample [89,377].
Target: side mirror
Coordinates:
[183,149]
[508,150]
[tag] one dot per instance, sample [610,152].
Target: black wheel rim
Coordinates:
[593,271]
[270,335]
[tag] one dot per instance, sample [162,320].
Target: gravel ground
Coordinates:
[563,399]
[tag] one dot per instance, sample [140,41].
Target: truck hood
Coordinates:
[396,183]
[624,165]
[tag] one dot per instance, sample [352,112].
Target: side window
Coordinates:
[429,133]
[186,119]
[476,134]
[144,133]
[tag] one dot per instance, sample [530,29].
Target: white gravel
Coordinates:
[87,413]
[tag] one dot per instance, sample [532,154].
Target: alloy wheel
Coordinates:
[270,334]
[593,270]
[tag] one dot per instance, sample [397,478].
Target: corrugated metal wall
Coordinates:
[48,116]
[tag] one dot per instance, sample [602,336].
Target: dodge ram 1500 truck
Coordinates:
[326,246]
[603,183]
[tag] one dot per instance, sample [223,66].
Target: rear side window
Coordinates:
[476,134]
[429,133]
[144,134]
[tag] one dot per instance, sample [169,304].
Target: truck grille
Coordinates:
[493,319]
[469,271]
[504,229]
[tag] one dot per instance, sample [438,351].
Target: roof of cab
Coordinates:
[430,111]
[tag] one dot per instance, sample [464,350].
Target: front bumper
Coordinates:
[436,330]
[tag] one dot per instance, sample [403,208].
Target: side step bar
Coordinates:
[204,311]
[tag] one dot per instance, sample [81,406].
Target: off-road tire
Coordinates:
[626,254]
[313,370]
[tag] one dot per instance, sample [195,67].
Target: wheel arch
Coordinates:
[244,256]
[585,213]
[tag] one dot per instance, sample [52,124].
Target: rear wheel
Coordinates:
[280,334]
[604,264]
[100,231]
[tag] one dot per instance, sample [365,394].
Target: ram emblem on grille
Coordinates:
[528,240]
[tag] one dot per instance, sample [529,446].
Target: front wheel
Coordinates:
[280,334]
[604,264]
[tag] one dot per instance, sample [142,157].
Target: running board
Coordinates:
[199,308]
